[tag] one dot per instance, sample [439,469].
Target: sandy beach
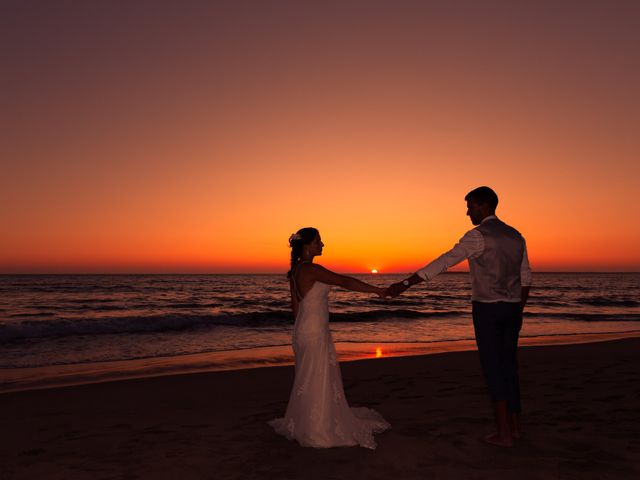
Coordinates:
[581,410]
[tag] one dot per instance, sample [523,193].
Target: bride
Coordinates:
[318,414]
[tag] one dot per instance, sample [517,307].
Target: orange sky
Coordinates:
[183,137]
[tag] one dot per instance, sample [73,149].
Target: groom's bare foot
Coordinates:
[514,423]
[498,440]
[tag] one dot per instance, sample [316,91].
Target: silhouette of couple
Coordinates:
[318,414]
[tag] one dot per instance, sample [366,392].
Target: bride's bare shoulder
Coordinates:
[311,271]
[324,275]
[317,269]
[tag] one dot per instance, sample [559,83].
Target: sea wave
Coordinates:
[68,327]
[65,327]
[586,317]
[608,302]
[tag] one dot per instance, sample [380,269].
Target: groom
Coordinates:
[500,281]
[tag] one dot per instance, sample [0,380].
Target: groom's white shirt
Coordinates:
[471,245]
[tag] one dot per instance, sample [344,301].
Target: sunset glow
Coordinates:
[197,138]
[378,352]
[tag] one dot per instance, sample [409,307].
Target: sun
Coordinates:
[374,270]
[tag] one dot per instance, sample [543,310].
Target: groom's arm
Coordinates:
[525,278]
[470,245]
[397,288]
[524,296]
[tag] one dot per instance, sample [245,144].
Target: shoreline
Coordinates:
[57,376]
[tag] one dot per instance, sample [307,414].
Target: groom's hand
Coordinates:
[396,289]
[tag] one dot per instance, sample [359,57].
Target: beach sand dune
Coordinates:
[582,420]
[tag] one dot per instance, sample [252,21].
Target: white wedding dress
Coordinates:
[318,414]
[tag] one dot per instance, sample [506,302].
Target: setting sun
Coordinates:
[378,352]
[374,271]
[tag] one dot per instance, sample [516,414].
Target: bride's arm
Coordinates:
[321,274]
[294,298]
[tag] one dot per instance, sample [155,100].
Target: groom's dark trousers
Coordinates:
[497,327]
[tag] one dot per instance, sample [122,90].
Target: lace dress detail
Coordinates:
[318,414]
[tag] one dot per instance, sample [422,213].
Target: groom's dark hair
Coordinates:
[483,195]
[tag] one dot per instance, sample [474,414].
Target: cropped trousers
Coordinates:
[497,327]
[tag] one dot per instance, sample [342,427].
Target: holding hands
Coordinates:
[397,288]
[382,293]
[391,291]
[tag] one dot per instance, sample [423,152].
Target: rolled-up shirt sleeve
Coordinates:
[469,246]
[525,268]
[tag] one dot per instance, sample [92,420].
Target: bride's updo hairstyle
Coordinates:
[297,241]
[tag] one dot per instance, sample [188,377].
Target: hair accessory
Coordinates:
[294,237]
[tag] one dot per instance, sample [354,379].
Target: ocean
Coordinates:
[56,320]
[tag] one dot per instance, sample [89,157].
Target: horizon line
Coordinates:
[284,273]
